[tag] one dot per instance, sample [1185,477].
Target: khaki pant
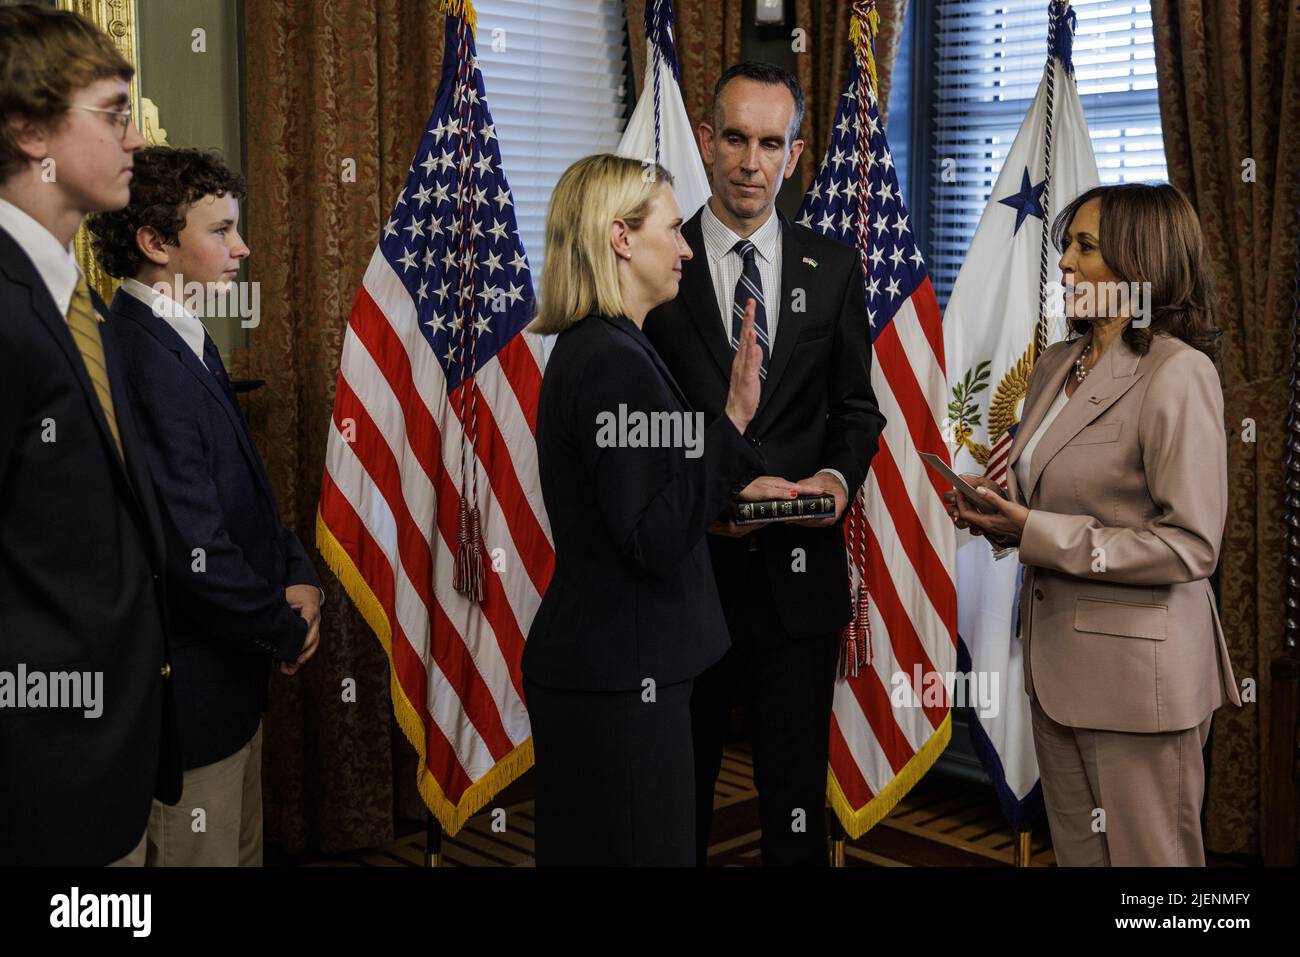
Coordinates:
[1148,785]
[228,830]
[136,857]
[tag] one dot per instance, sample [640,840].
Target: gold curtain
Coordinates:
[823,67]
[707,36]
[1230,108]
[336,96]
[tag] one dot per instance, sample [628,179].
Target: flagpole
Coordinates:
[838,838]
[1024,848]
[432,841]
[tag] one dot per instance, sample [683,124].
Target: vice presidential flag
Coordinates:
[659,130]
[1004,310]
[891,717]
[431,512]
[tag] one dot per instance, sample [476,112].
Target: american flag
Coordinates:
[431,512]
[899,537]
[999,456]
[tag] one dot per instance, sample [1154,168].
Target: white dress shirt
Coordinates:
[726,265]
[55,264]
[1023,464]
[170,311]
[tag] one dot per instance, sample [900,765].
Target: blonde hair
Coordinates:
[580,271]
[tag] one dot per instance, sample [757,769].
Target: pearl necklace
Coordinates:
[1080,373]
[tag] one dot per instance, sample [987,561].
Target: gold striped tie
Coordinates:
[84,322]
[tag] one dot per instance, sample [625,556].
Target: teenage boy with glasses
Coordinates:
[81,543]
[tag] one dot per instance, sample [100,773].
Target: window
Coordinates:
[988,58]
[899,125]
[554,75]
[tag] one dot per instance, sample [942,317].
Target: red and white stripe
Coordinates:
[910,572]
[390,497]
[999,458]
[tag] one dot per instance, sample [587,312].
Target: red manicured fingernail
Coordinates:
[794,493]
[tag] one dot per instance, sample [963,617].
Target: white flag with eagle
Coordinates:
[1005,309]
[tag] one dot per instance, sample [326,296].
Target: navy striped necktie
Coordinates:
[749,287]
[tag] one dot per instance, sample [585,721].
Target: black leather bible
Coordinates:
[783,509]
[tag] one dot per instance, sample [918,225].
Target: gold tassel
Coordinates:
[463,9]
[863,29]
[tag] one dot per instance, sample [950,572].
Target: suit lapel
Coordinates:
[43,305]
[136,462]
[794,275]
[1114,375]
[130,309]
[1033,413]
[698,298]
[700,302]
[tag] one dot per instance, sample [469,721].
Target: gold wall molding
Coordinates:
[119,19]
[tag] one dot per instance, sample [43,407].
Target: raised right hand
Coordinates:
[742,396]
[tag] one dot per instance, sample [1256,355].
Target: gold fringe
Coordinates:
[862,34]
[451,816]
[858,822]
[463,9]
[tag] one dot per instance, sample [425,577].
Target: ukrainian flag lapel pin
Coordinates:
[810,261]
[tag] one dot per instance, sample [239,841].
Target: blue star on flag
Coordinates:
[1026,202]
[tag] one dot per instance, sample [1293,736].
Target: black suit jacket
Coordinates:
[818,409]
[227,608]
[81,557]
[633,595]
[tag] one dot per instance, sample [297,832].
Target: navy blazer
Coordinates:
[818,410]
[81,589]
[633,595]
[229,556]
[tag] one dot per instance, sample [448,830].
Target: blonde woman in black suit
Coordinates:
[631,615]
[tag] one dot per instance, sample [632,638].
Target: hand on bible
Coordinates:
[826,483]
[763,488]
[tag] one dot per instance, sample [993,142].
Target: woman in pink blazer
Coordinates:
[1117,500]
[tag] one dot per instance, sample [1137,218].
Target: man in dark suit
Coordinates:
[81,545]
[241,588]
[784,587]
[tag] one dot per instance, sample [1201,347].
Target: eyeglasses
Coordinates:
[121,118]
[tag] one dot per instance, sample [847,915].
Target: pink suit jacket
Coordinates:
[1128,497]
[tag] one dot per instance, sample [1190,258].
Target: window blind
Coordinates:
[554,78]
[988,60]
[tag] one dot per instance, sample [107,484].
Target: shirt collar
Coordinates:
[55,264]
[720,240]
[170,311]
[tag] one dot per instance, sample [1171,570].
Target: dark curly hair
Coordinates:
[1150,233]
[166,182]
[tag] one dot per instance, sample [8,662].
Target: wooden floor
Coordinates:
[943,822]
